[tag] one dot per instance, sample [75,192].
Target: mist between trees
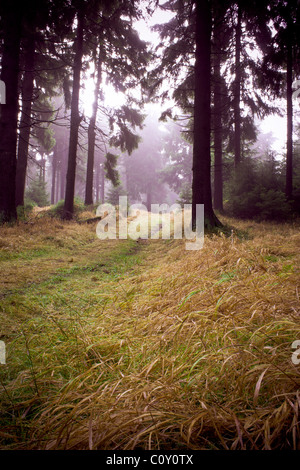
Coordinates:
[182,122]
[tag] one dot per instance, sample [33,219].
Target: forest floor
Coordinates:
[127,344]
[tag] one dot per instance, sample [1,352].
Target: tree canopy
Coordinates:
[219,68]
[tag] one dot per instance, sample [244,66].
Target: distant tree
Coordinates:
[123,59]
[237,87]
[286,52]
[37,192]
[60,152]
[54,174]
[92,130]
[143,166]
[220,100]
[185,195]
[75,116]
[114,193]
[177,155]
[42,76]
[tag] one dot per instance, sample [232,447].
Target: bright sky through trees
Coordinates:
[274,124]
[111,97]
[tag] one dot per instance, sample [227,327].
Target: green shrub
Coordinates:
[57,210]
[24,211]
[273,205]
[254,192]
[242,192]
[245,204]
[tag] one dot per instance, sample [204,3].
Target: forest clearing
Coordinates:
[123,344]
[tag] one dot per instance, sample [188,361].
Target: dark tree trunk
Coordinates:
[201,187]
[63,157]
[217,124]
[289,99]
[75,121]
[25,122]
[63,173]
[91,140]
[9,111]
[237,91]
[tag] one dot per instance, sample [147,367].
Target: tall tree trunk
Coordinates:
[102,173]
[92,138]
[54,174]
[237,90]
[9,111]
[75,120]
[63,157]
[56,197]
[63,173]
[217,123]
[25,122]
[201,187]
[289,99]
[149,199]
[97,180]
[42,168]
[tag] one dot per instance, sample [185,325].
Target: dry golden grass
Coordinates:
[36,248]
[183,349]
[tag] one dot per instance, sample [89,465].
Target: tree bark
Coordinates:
[75,121]
[92,138]
[9,111]
[289,99]
[217,123]
[63,157]
[25,122]
[201,186]
[237,91]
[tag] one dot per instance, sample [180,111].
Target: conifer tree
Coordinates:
[11,13]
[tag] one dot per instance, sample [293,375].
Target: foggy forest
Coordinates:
[149,227]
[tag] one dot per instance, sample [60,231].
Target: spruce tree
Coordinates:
[11,13]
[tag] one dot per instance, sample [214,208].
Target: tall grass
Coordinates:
[158,347]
